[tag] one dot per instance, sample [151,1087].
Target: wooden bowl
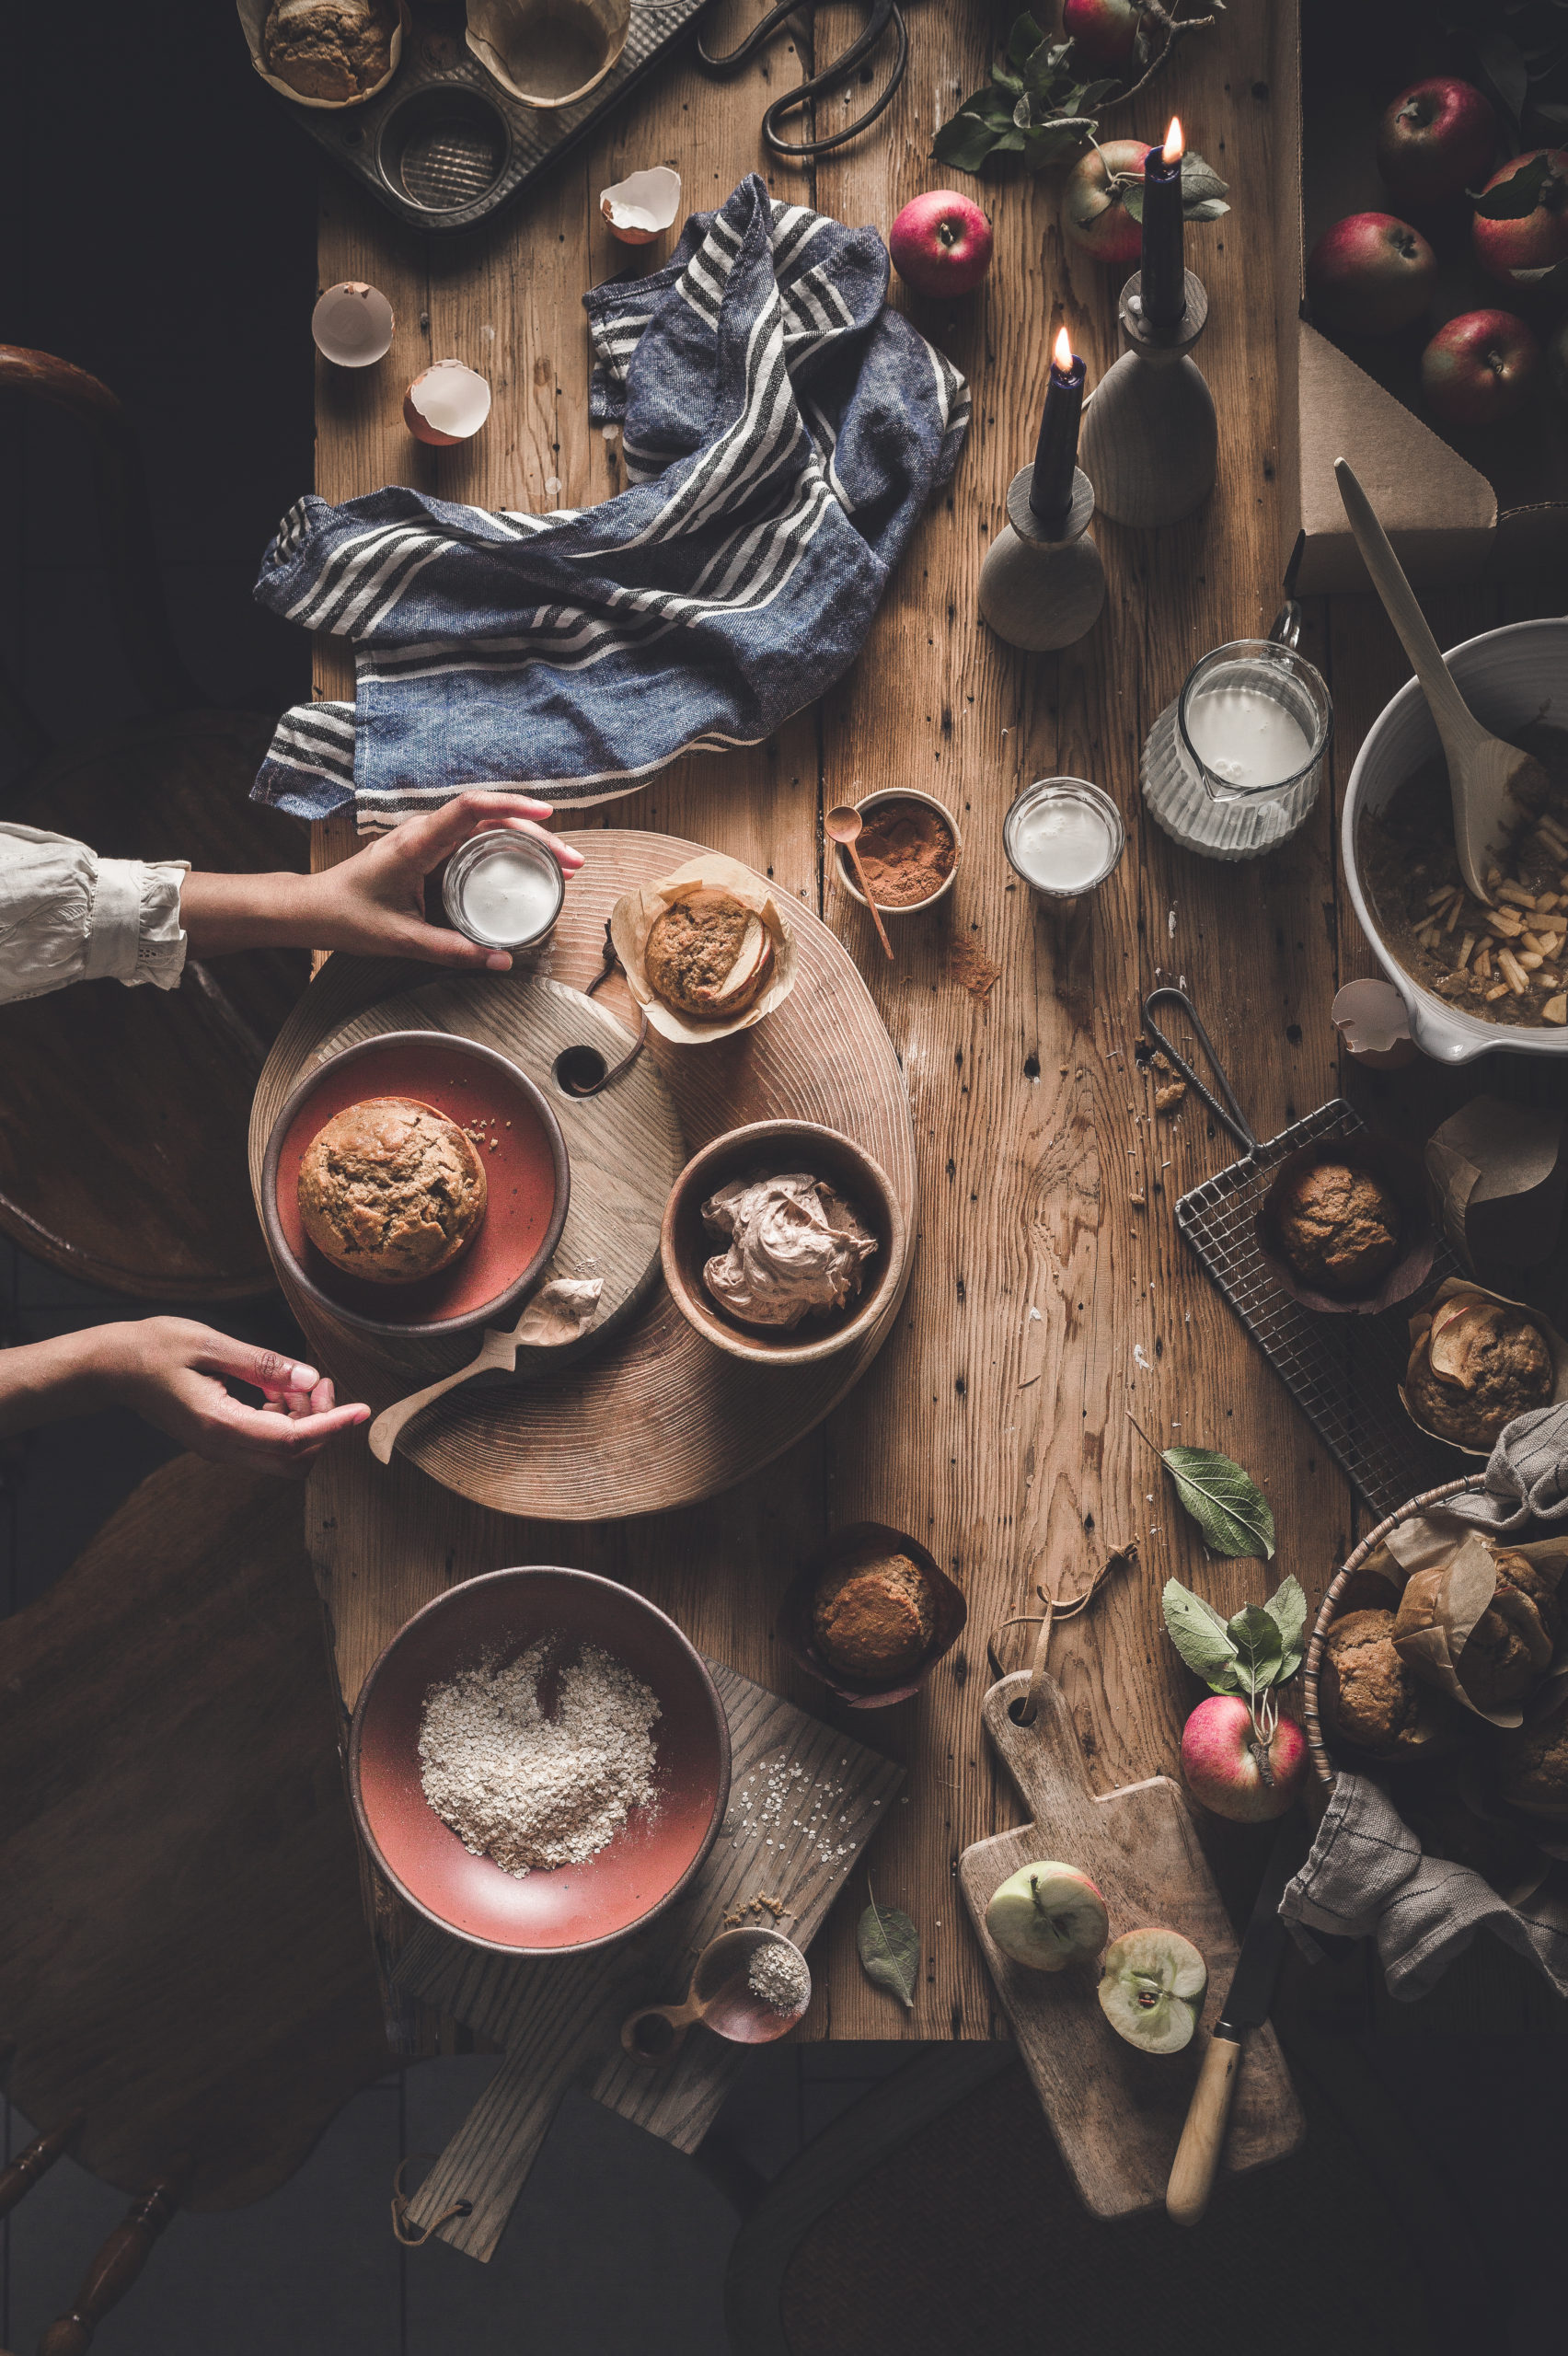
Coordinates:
[774,1148]
[648,1862]
[912,907]
[1341,1597]
[529,1175]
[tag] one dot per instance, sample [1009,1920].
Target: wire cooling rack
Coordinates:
[1342,1372]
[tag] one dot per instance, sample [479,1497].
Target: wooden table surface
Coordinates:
[1047,1305]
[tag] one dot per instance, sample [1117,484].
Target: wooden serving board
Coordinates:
[804,1802]
[625,1145]
[660,1416]
[1116,2114]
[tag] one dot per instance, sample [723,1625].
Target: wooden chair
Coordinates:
[935,2218]
[183,1956]
[123,1113]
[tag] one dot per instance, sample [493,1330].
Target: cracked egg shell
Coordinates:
[353,325]
[446,405]
[643,206]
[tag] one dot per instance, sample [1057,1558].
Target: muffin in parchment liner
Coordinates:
[253,15]
[862,1545]
[635,914]
[1296,1233]
[1475,1365]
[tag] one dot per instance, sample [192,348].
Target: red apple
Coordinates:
[1094,218]
[1437,138]
[1479,367]
[1370,275]
[1103,32]
[940,243]
[1541,238]
[1227,1767]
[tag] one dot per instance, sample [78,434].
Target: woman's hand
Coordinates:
[169,1369]
[371,904]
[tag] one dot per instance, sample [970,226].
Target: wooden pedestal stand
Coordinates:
[1149,435]
[1040,590]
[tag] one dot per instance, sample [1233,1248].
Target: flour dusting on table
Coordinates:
[531,1791]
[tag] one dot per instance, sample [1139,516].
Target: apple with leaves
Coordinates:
[1370,275]
[1480,369]
[1103,199]
[1242,1760]
[1435,139]
[1104,33]
[1520,229]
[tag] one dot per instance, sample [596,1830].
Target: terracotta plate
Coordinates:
[638,1873]
[528,1176]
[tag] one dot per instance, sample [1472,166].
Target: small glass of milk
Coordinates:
[1233,767]
[503,889]
[1064,837]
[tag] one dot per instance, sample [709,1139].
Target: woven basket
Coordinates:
[1329,1610]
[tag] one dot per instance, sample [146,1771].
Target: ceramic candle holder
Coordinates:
[1040,590]
[1150,434]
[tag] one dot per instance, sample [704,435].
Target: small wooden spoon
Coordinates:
[1484,774]
[844,825]
[718,1996]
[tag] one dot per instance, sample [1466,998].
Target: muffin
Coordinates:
[1530,1768]
[1509,1650]
[707,957]
[1371,1700]
[1480,1363]
[874,1617]
[336,49]
[391,1190]
[1337,1227]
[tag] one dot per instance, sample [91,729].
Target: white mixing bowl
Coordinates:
[1509,677]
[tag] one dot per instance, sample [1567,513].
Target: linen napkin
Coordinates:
[781,429]
[1527,1473]
[1368,1878]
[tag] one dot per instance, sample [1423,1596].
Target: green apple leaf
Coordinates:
[1045,141]
[1286,1607]
[1199,183]
[1024,39]
[890,1950]
[1515,199]
[969,137]
[1199,1635]
[1226,1504]
[1258,1649]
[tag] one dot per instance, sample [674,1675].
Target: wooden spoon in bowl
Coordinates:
[1484,774]
[844,825]
[720,1996]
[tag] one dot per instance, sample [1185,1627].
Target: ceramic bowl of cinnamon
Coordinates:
[909,847]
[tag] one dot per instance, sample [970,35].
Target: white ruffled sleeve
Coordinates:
[68,916]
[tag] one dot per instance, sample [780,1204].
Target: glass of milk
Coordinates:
[1064,837]
[503,889]
[1233,767]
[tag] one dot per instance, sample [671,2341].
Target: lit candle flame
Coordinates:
[1175,145]
[1062,352]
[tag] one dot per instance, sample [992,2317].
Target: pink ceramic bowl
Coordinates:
[647,1864]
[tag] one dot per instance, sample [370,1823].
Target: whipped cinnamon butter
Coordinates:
[795,1248]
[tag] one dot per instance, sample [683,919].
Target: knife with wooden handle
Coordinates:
[1247,2006]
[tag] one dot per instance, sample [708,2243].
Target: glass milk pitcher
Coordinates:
[1232,768]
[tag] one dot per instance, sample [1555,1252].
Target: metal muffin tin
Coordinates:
[444,145]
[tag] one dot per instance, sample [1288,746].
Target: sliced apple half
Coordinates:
[1047,1916]
[1152,1989]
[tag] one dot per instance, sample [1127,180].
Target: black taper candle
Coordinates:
[1164,265]
[1056,452]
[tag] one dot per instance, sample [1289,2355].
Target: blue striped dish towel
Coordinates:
[782,431]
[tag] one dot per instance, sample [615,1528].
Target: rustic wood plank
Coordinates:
[804,1802]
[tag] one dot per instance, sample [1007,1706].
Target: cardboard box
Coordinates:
[1455,506]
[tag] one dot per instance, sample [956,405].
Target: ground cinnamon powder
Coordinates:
[906,850]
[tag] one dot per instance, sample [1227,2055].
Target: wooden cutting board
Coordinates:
[804,1802]
[1116,2114]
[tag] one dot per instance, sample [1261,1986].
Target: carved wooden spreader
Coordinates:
[1116,2114]
[804,1802]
